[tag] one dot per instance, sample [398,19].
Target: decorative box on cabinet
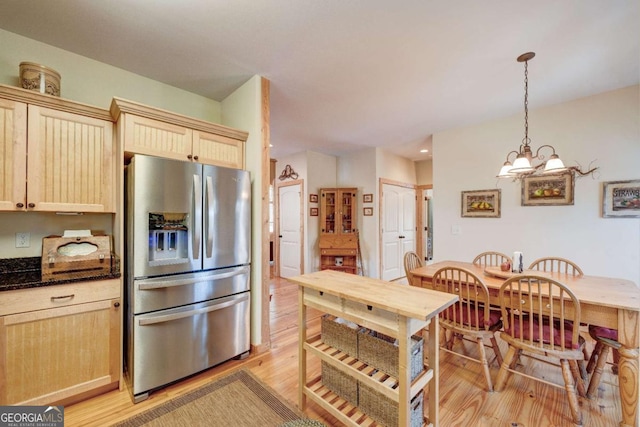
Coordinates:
[62,149]
[60,343]
[398,311]
[338,241]
[156,132]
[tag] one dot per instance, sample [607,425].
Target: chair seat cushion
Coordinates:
[468,317]
[516,330]
[602,332]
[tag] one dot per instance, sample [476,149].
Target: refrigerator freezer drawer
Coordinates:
[160,293]
[172,344]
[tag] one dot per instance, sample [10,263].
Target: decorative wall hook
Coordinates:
[288,172]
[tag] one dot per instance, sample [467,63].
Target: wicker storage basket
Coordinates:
[378,350]
[340,383]
[339,335]
[384,410]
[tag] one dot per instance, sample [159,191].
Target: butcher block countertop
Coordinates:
[409,301]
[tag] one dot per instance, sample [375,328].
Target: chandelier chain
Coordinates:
[526,104]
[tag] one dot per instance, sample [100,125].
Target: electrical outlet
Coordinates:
[23,240]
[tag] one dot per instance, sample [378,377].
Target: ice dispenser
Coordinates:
[168,238]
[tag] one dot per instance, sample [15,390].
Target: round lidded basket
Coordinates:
[39,78]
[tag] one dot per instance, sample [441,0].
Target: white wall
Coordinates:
[355,170]
[242,110]
[603,128]
[424,172]
[321,173]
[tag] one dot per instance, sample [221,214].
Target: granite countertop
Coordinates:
[23,273]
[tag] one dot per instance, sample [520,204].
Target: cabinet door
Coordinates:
[218,150]
[328,211]
[347,199]
[53,355]
[13,155]
[70,162]
[156,138]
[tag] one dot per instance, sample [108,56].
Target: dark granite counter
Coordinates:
[23,273]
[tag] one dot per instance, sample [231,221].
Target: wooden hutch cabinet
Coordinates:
[338,232]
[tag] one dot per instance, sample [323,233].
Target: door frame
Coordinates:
[381,182]
[276,246]
[419,217]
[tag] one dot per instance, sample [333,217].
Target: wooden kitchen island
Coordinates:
[398,311]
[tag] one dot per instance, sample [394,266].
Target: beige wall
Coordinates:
[603,128]
[424,172]
[95,83]
[90,82]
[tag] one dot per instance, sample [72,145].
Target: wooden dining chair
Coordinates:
[541,317]
[606,339]
[411,262]
[555,264]
[470,318]
[490,258]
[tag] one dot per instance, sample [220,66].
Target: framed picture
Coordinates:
[367,198]
[313,198]
[368,211]
[481,204]
[547,190]
[621,199]
[313,211]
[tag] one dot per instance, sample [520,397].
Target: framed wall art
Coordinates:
[313,212]
[367,198]
[621,199]
[313,198]
[368,212]
[481,204]
[548,190]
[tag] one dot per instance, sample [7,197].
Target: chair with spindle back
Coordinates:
[470,317]
[411,262]
[541,317]
[605,339]
[491,258]
[555,264]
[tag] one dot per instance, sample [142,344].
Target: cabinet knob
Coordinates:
[20,205]
[32,205]
[195,157]
[116,304]
[189,157]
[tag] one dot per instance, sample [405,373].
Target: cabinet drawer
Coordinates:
[41,298]
[338,252]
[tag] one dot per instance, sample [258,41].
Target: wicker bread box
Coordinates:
[65,258]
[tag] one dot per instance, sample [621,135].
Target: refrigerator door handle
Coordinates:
[170,282]
[229,301]
[209,220]
[197,217]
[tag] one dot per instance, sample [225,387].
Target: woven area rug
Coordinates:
[238,399]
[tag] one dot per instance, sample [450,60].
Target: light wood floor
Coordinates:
[463,399]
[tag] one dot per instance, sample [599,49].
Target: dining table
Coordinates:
[604,301]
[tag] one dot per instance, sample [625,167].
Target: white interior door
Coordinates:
[290,230]
[398,228]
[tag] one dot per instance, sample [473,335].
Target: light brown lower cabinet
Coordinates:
[66,348]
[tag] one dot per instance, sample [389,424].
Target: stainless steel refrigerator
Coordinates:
[188,254]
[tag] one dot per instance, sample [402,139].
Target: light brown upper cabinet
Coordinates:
[156,132]
[58,154]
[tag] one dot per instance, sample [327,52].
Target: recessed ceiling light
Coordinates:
[270,145]
[424,150]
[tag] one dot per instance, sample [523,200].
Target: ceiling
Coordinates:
[346,75]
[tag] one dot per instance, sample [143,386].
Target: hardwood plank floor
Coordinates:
[464,400]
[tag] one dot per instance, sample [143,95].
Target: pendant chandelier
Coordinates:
[523,165]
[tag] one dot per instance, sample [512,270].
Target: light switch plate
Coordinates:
[23,240]
[455,229]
